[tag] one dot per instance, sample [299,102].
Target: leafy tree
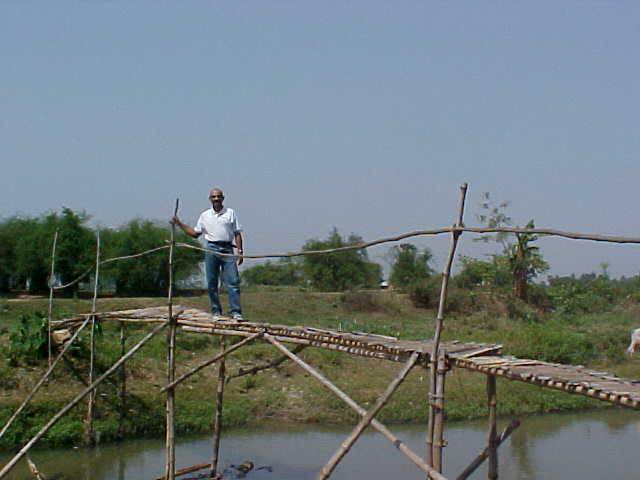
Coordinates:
[341,270]
[475,272]
[146,275]
[284,272]
[409,265]
[27,244]
[524,259]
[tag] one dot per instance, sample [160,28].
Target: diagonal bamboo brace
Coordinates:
[361,411]
[258,368]
[12,463]
[206,363]
[482,456]
[366,420]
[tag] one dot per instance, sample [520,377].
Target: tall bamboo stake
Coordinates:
[9,466]
[123,384]
[217,421]
[399,444]
[455,234]
[366,420]
[492,402]
[44,378]
[170,467]
[51,281]
[438,427]
[89,437]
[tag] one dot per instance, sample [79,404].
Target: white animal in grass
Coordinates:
[634,346]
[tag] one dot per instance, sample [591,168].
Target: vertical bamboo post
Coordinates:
[438,426]
[51,281]
[433,360]
[123,384]
[492,472]
[89,437]
[217,421]
[170,466]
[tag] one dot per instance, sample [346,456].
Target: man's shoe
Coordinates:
[237,317]
[217,317]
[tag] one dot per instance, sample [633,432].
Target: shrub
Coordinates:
[28,339]
[425,293]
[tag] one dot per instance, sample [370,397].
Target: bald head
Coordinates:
[216,197]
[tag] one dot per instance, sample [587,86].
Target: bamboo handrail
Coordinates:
[399,444]
[9,466]
[366,420]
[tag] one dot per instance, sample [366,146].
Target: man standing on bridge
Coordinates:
[221,228]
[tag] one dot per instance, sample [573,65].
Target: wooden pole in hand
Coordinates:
[217,421]
[89,437]
[51,282]
[433,360]
[170,466]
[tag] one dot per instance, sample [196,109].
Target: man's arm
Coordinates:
[185,228]
[239,249]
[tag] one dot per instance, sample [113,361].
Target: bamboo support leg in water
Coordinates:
[485,453]
[366,420]
[217,421]
[89,436]
[170,463]
[399,444]
[44,378]
[123,384]
[9,466]
[492,472]
[438,427]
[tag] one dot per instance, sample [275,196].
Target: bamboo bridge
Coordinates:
[434,355]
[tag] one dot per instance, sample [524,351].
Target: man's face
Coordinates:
[216,197]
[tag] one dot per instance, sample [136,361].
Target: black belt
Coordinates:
[222,244]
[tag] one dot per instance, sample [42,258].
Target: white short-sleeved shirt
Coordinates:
[218,226]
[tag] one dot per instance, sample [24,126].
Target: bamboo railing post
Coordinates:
[433,360]
[492,402]
[12,463]
[122,394]
[51,281]
[217,420]
[170,466]
[44,378]
[399,444]
[89,437]
[438,426]
[366,420]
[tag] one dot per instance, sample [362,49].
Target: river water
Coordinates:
[588,445]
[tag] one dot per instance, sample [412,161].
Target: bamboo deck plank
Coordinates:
[480,357]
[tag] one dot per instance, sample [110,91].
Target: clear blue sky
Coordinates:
[362,115]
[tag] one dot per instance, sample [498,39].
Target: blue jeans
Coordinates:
[216,264]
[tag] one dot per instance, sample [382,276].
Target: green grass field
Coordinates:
[287,394]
